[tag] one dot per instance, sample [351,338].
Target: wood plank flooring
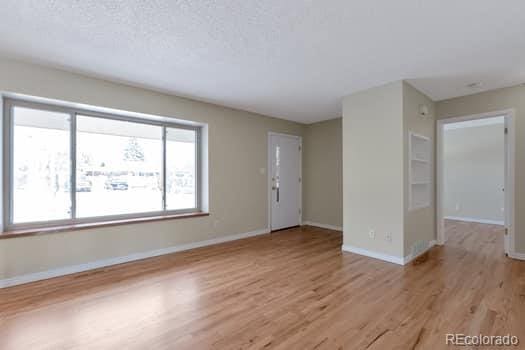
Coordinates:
[293,289]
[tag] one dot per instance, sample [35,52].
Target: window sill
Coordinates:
[91,225]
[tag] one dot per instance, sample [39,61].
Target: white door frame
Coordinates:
[269,172]
[509,115]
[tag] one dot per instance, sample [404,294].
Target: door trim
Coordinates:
[510,155]
[269,175]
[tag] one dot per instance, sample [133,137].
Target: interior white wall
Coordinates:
[473,168]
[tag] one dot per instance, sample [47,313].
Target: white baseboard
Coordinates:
[67,270]
[411,257]
[326,226]
[519,256]
[479,221]
[385,257]
[372,254]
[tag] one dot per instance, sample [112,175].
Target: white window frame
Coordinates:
[8,126]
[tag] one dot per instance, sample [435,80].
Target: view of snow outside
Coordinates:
[119,167]
[40,174]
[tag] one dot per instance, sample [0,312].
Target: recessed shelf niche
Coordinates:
[419,171]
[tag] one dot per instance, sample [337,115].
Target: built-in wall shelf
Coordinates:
[419,172]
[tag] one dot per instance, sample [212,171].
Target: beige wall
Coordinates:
[474,172]
[323,173]
[237,151]
[373,169]
[419,224]
[376,126]
[508,98]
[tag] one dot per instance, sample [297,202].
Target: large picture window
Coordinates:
[118,166]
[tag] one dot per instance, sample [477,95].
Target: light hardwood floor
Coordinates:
[293,289]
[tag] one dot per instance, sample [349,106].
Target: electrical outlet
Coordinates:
[372,234]
[388,237]
[458,207]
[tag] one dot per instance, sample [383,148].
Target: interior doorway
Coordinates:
[475,172]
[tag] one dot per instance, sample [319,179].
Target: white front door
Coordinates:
[285,172]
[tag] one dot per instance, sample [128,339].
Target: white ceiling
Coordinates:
[293,59]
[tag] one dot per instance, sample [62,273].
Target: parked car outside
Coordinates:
[84,185]
[116,184]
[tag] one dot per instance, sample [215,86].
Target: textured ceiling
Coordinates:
[292,59]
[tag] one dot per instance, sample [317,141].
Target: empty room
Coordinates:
[473,176]
[262,175]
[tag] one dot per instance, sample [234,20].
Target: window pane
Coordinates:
[119,167]
[180,169]
[41,165]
